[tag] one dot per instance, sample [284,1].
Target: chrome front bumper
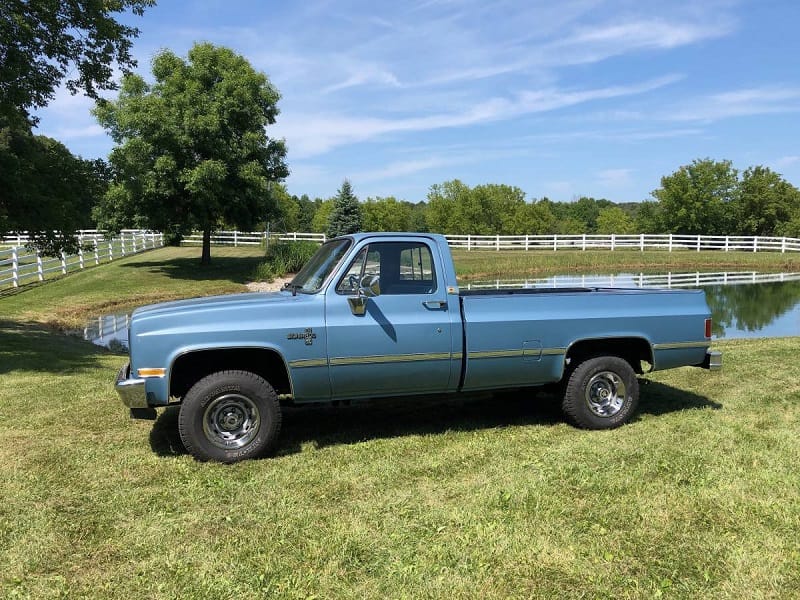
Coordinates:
[131,391]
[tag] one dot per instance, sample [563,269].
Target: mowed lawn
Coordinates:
[486,497]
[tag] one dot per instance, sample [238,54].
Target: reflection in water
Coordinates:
[743,304]
[110,331]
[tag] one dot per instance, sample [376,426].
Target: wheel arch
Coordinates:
[634,349]
[191,366]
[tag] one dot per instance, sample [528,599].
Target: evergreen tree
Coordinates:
[346,215]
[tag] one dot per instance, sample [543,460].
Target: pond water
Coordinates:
[743,304]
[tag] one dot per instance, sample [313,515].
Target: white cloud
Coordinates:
[401,168]
[307,135]
[738,103]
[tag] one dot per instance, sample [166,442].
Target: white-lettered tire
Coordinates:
[601,393]
[229,416]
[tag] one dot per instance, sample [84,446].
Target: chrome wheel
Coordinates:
[231,421]
[605,394]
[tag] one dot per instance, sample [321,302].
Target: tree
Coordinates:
[46,190]
[648,217]
[322,214]
[613,219]
[42,43]
[444,200]
[346,215]
[305,213]
[386,214]
[766,202]
[192,149]
[699,198]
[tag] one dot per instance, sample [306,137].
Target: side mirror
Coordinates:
[369,287]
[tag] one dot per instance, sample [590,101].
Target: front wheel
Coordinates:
[229,416]
[601,393]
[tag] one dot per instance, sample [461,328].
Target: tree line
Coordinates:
[706,197]
[192,152]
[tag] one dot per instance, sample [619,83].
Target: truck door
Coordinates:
[404,341]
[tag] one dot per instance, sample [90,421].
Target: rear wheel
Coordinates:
[601,393]
[229,416]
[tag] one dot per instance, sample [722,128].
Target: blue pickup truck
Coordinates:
[381,315]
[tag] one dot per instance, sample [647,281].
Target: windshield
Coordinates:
[311,277]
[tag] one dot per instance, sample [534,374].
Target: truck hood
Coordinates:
[229,302]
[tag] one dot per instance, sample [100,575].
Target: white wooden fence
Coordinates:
[666,280]
[18,265]
[251,238]
[641,241]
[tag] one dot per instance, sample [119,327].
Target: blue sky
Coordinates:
[562,99]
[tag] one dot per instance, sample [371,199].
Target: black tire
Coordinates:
[601,393]
[229,416]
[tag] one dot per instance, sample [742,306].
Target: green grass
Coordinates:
[509,263]
[154,276]
[485,497]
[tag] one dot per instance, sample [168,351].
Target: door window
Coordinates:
[403,268]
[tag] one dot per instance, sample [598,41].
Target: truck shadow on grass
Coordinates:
[33,347]
[382,419]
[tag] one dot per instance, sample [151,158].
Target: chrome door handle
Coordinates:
[434,304]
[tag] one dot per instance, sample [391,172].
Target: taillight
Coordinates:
[708,328]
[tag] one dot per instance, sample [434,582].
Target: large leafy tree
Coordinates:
[699,198]
[386,214]
[192,149]
[766,202]
[46,190]
[346,214]
[44,42]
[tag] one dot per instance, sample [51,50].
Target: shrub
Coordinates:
[283,258]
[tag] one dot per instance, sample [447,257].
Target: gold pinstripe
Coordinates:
[677,345]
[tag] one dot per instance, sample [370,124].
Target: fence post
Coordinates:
[583,242]
[63,263]
[641,242]
[698,243]
[96,255]
[497,243]
[39,266]
[526,242]
[783,245]
[110,252]
[80,257]
[469,242]
[755,244]
[15,266]
[122,240]
[727,243]
[613,241]
[235,238]
[670,242]
[555,242]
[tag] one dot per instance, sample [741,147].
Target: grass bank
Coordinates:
[158,275]
[512,264]
[489,497]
